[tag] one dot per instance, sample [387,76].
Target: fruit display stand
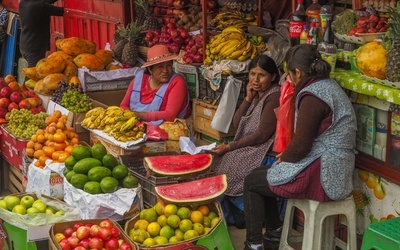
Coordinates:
[12,148]
[29,231]
[217,238]
[148,182]
[60,228]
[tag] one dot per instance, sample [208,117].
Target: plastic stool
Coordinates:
[319,224]
[382,235]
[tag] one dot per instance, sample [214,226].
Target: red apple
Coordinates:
[3,112]
[3,121]
[115,232]
[178,3]
[170,3]
[4,102]
[157,11]
[173,47]
[96,242]
[5,92]
[2,83]
[41,109]
[77,225]
[12,106]
[104,233]
[197,58]
[24,104]
[106,223]
[111,244]
[64,244]
[94,230]
[184,34]
[211,4]
[171,25]
[16,96]
[82,232]
[80,248]
[169,11]
[59,237]
[73,241]
[68,232]
[125,246]
[179,40]
[84,243]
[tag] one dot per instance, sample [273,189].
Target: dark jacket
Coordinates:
[35,24]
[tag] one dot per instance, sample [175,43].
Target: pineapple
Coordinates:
[361,199]
[130,51]
[119,41]
[393,58]
[144,15]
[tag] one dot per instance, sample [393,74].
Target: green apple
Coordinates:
[3,204]
[32,210]
[11,201]
[59,212]
[39,205]
[50,210]
[19,209]
[27,201]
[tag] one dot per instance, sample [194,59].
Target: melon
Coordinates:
[201,191]
[177,164]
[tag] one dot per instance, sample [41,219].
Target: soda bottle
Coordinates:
[325,14]
[313,11]
[304,34]
[297,21]
[328,36]
[311,33]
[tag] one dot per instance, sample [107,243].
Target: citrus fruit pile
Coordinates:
[55,142]
[95,171]
[161,224]
[27,204]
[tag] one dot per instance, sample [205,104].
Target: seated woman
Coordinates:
[318,163]
[157,94]
[255,122]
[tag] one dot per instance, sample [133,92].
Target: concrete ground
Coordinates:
[238,236]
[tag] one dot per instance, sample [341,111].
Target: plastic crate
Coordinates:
[207,93]
[148,182]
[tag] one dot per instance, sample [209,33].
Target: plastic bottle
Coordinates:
[313,11]
[304,34]
[328,36]
[331,55]
[297,21]
[311,33]
[348,51]
[325,13]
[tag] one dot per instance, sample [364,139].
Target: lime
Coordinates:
[183,213]
[109,184]
[119,172]
[130,181]
[109,161]
[98,151]
[70,162]
[69,175]
[148,214]
[81,152]
[92,187]
[78,180]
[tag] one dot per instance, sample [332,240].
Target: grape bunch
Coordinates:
[23,124]
[75,101]
[63,87]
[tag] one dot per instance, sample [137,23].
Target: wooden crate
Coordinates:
[13,178]
[203,113]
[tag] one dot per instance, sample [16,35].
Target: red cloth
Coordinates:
[285,118]
[175,99]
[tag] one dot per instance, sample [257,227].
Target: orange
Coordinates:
[51,137]
[63,119]
[196,216]
[70,134]
[30,144]
[40,132]
[63,156]
[37,164]
[75,141]
[60,125]
[37,146]
[204,210]
[71,129]
[52,130]
[57,114]
[59,137]
[40,138]
[9,78]
[51,119]
[56,154]
[38,153]
[48,151]
[34,138]
[30,152]
[68,149]
[60,146]
[43,159]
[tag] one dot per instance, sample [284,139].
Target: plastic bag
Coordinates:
[285,117]
[155,133]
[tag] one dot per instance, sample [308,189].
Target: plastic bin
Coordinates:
[148,182]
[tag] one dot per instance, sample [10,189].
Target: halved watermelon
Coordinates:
[200,191]
[177,164]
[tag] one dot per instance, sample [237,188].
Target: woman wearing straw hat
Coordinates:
[158,94]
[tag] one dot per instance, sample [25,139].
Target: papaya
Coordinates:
[30,73]
[74,80]
[105,55]
[64,55]
[70,70]
[30,84]
[112,66]
[90,61]
[75,46]
[47,66]
[40,89]
[50,82]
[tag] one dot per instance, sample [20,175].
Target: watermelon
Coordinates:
[173,165]
[201,191]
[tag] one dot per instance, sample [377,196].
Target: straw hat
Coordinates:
[157,54]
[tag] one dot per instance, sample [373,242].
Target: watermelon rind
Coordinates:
[197,192]
[176,165]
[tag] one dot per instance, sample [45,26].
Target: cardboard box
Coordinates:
[61,226]
[203,114]
[217,238]
[12,148]
[116,151]
[106,80]
[109,98]
[191,75]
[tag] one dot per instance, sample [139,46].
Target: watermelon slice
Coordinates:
[200,191]
[174,165]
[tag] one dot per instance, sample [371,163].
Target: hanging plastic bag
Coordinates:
[227,105]
[285,117]
[155,133]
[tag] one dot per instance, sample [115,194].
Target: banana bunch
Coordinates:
[94,118]
[258,41]
[231,44]
[131,134]
[230,18]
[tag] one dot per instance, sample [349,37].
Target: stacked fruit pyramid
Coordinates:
[95,171]
[115,121]
[169,223]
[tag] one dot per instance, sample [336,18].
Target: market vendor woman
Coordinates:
[157,93]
